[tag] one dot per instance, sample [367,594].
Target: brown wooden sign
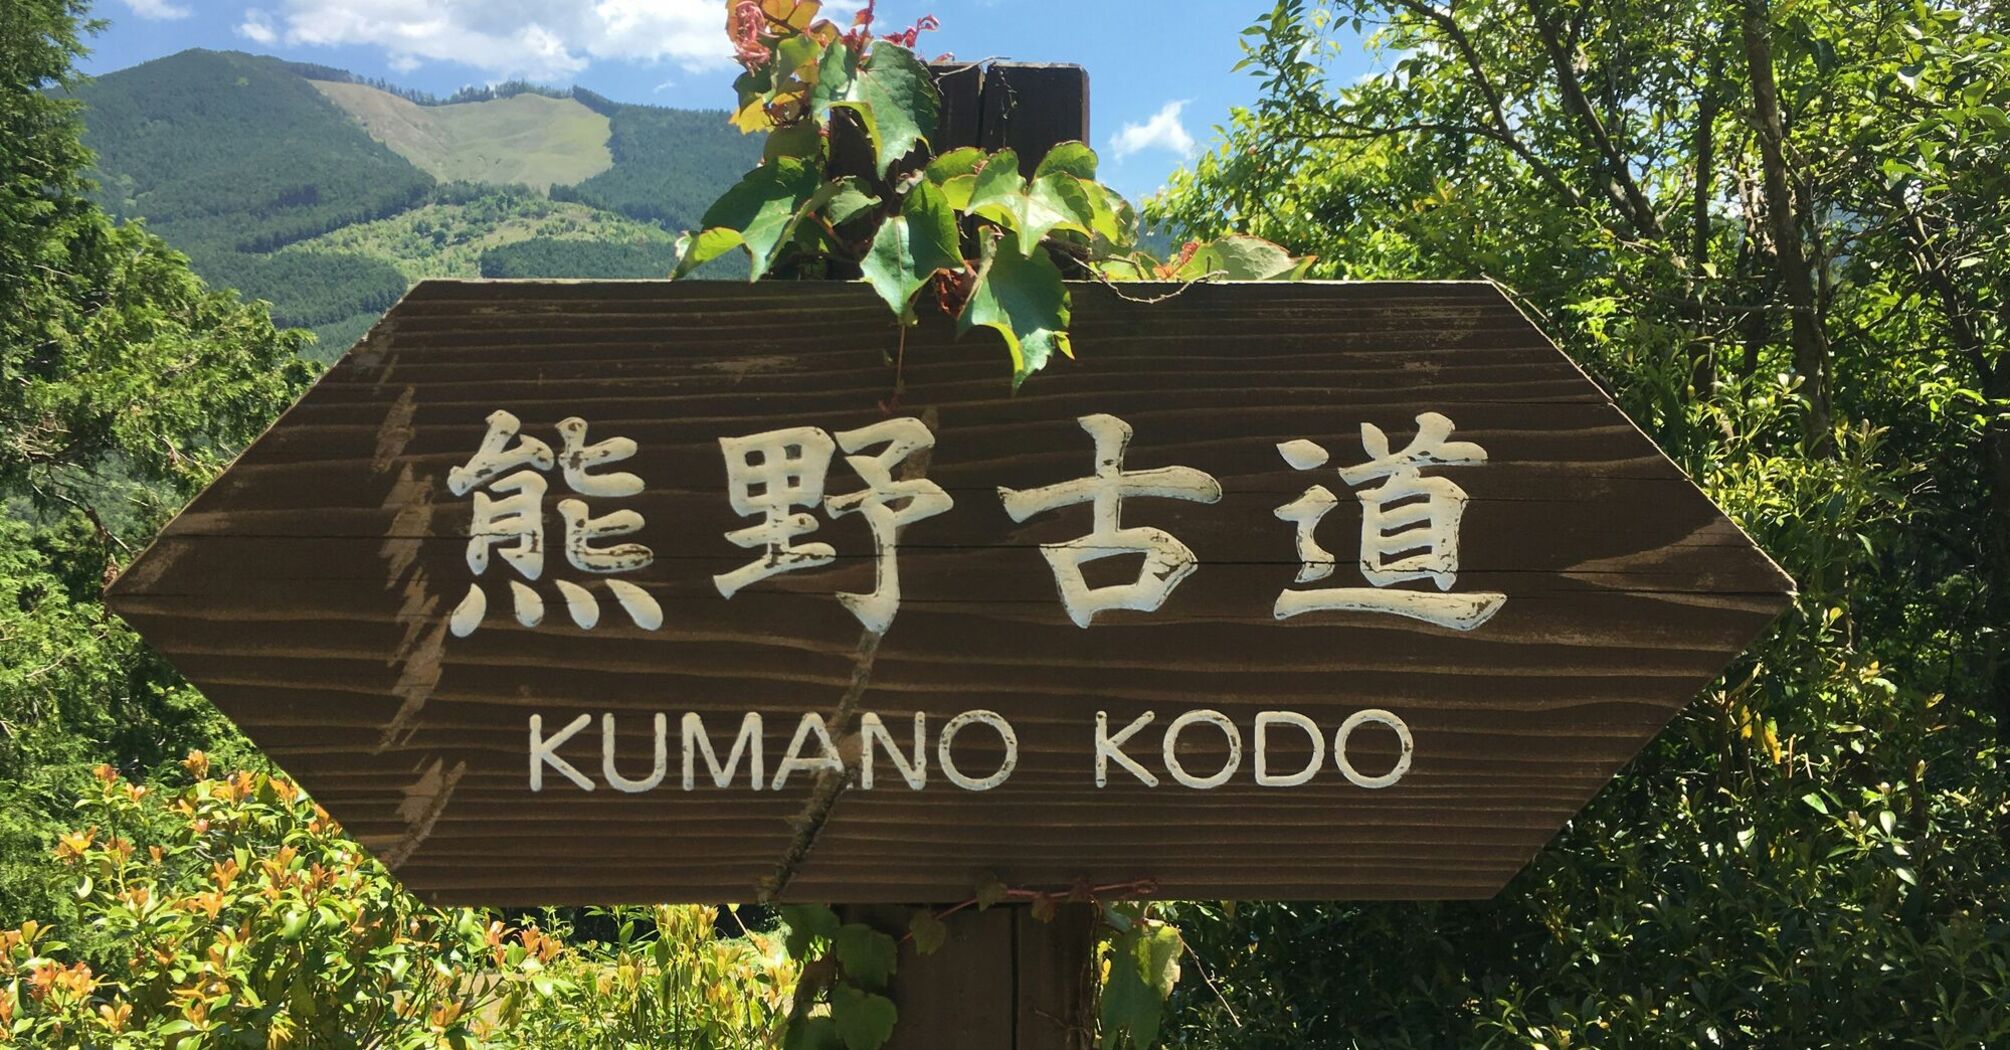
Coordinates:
[637,591]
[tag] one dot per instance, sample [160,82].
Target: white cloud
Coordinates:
[160,9]
[538,39]
[257,27]
[1163,131]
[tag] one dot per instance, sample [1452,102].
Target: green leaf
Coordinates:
[812,1033]
[1111,216]
[1056,200]
[294,923]
[868,956]
[992,891]
[1023,299]
[1158,956]
[892,93]
[911,248]
[1137,266]
[803,141]
[1244,258]
[864,1021]
[1069,158]
[1129,1009]
[1144,965]
[849,201]
[807,922]
[956,163]
[956,173]
[758,214]
[998,180]
[929,932]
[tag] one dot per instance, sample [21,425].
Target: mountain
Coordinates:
[328,195]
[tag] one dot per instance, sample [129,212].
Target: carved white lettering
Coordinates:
[1109,747]
[948,761]
[1356,721]
[544,752]
[793,760]
[697,742]
[1169,750]
[620,783]
[1266,719]
[875,735]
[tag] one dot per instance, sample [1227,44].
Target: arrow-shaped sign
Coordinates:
[612,591]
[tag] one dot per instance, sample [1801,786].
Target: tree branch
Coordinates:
[1622,187]
[1495,105]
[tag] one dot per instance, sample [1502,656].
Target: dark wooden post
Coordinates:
[1004,980]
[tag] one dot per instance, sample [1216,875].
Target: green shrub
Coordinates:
[232,912]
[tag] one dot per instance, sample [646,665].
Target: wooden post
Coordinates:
[1026,108]
[1004,980]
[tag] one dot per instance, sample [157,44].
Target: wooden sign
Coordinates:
[636,591]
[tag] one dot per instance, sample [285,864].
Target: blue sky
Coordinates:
[1159,73]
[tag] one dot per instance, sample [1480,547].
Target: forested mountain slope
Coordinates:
[328,196]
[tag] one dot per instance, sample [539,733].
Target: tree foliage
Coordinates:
[555,257]
[128,382]
[668,163]
[1776,233]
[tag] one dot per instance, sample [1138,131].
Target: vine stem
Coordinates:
[1136,887]
[1208,980]
[1117,289]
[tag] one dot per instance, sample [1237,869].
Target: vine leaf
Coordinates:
[1022,297]
[911,248]
[890,90]
[1243,258]
[1052,201]
[956,173]
[864,1021]
[803,141]
[1069,158]
[812,1033]
[758,215]
[867,955]
[929,932]
[1046,907]
[1144,965]
[991,891]
[807,923]
[849,201]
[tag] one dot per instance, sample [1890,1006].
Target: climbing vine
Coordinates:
[965,231]
[841,1000]
[849,184]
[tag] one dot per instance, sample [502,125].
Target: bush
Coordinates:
[232,912]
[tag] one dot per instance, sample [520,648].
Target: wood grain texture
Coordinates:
[307,591]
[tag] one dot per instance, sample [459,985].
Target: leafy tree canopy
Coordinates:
[1777,233]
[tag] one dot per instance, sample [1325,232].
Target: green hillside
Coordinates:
[526,138]
[665,162]
[328,196]
[450,236]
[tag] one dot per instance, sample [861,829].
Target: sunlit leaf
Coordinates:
[759,214]
[891,91]
[1069,158]
[1022,298]
[911,248]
